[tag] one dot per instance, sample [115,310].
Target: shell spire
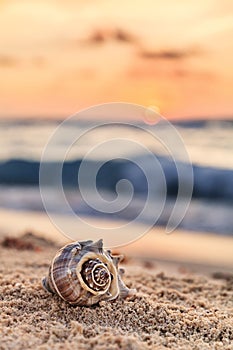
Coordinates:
[96,247]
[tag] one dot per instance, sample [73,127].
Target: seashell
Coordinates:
[83,273]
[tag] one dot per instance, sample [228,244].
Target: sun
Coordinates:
[152,114]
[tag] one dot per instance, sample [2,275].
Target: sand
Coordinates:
[178,310]
[203,249]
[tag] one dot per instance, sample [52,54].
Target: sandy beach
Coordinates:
[178,305]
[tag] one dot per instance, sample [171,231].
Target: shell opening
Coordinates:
[100,275]
[96,275]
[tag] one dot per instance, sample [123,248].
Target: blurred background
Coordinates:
[172,56]
[59,56]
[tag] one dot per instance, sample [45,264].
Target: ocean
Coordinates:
[126,155]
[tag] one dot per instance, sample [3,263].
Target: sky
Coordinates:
[57,57]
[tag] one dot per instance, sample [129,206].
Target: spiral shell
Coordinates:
[82,273]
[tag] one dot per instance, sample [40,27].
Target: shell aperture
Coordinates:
[96,275]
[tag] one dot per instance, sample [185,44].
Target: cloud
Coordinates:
[123,36]
[168,54]
[198,74]
[166,70]
[101,36]
[97,37]
[8,61]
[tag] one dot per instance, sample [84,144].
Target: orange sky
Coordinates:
[59,56]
